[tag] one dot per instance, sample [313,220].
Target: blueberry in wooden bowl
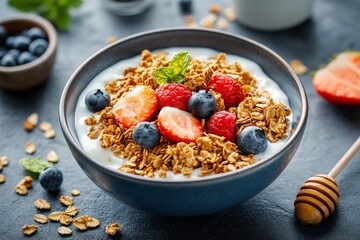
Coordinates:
[27,51]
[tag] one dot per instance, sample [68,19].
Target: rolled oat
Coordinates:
[66,200]
[30,148]
[52,157]
[29,229]
[75,192]
[71,211]
[112,229]
[40,218]
[65,231]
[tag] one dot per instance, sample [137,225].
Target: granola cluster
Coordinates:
[210,153]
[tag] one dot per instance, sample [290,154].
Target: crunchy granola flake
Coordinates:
[30,148]
[40,218]
[52,157]
[71,211]
[75,192]
[42,204]
[64,231]
[66,200]
[4,161]
[112,229]
[2,178]
[29,229]
[55,216]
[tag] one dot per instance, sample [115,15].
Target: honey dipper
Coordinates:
[319,195]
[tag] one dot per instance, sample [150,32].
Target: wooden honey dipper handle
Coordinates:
[319,195]
[345,159]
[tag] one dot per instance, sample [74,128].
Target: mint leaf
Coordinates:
[56,11]
[175,71]
[35,165]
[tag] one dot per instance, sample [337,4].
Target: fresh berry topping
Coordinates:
[21,43]
[38,47]
[230,90]
[9,42]
[136,106]
[222,124]
[8,61]
[51,179]
[202,104]
[146,135]
[25,57]
[96,100]
[252,140]
[339,81]
[173,95]
[35,33]
[179,126]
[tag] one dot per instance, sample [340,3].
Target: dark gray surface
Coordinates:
[334,27]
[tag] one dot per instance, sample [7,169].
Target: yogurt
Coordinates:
[107,157]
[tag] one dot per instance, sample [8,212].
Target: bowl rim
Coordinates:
[39,22]
[215,177]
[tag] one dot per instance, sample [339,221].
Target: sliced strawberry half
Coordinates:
[136,106]
[339,81]
[179,126]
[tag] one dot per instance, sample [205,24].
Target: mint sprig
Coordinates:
[56,11]
[175,71]
[34,165]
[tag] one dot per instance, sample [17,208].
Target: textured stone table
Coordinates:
[334,27]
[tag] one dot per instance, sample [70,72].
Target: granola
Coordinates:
[210,153]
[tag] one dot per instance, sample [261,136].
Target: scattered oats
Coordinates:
[28,126]
[21,189]
[208,21]
[40,218]
[112,39]
[42,204]
[30,148]
[33,119]
[192,25]
[80,223]
[215,8]
[49,133]
[64,231]
[222,23]
[66,200]
[45,126]
[71,211]
[298,67]
[229,14]
[52,157]
[112,229]
[29,229]
[55,216]
[4,160]
[65,219]
[26,182]
[2,178]
[75,192]
[92,222]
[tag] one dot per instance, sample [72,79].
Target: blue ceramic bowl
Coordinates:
[194,196]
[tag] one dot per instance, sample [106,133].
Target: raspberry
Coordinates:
[230,90]
[222,124]
[173,95]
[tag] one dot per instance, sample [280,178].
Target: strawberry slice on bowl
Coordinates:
[179,126]
[136,106]
[339,81]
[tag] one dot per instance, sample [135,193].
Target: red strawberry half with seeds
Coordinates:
[136,106]
[230,90]
[179,126]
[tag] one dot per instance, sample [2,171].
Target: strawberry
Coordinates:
[339,81]
[136,106]
[230,90]
[173,95]
[179,126]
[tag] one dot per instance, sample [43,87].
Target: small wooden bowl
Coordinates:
[30,75]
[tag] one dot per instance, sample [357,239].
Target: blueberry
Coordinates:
[35,33]
[21,43]
[25,57]
[14,52]
[2,52]
[96,100]
[8,61]
[252,140]
[185,6]
[38,47]
[146,135]
[51,179]
[9,42]
[202,104]
[3,34]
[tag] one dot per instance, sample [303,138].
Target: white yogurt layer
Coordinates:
[107,157]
